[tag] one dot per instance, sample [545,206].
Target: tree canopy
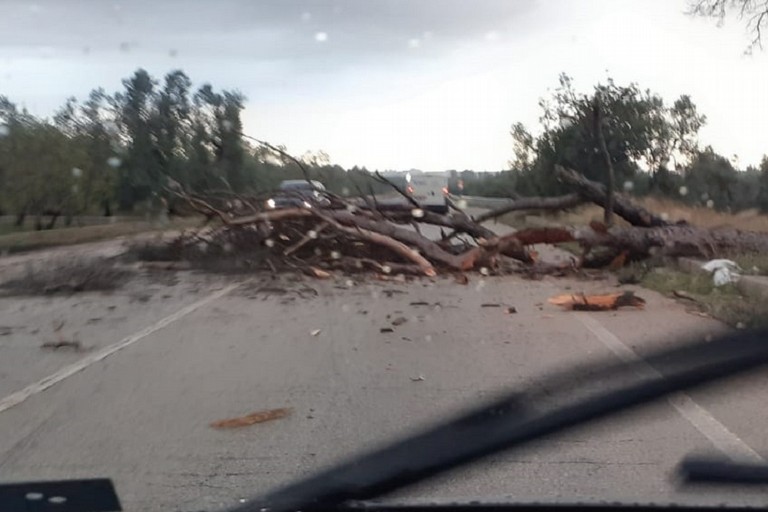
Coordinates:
[754,13]
[120,150]
[653,146]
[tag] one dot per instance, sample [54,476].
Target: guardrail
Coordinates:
[483,202]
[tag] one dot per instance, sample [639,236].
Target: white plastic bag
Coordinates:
[723,271]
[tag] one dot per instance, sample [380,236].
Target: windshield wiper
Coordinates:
[713,469]
[518,419]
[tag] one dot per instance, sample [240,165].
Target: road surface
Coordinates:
[173,352]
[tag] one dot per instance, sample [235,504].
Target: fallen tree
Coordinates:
[361,234]
[596,193]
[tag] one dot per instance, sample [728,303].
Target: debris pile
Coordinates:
[324,233]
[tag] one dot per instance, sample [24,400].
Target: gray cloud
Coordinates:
[272,30]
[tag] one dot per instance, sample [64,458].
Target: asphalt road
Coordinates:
[170,354]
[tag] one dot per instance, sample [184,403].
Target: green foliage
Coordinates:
[653,148]
[124,147]
[641,133]
[762,191]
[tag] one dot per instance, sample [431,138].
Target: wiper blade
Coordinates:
[710,469]
[516,420]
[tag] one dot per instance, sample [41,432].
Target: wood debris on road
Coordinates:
[252,419]
[604,302]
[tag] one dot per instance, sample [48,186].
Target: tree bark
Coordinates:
[672,240]
[610,178]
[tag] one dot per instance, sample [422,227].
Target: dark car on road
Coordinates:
[298,193]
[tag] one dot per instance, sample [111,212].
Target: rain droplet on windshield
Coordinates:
[417,213]
[77,172]
[710,203]
[629,186]
[125,47]
[5,130]
[111,127]
[386,269]
[462,204]
[414,43]
[335,255]
[683,191]
[306,16]
[269,242]
[114,161]
[227,125]
[173,52]
[312,234]
[321,37]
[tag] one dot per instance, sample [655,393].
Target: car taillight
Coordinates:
[409,189]
[445,191]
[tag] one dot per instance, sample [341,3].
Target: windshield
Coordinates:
[242,241]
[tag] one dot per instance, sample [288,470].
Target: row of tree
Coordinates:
[653,147]
[118,150]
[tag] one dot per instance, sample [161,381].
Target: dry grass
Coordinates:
[67,276]
[725,303]
[33,240]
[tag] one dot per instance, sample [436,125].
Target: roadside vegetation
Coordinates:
[29,240]
[726,303]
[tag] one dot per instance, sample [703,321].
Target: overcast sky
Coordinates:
[392,84]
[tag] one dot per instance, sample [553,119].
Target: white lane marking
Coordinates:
[45,383]
[718,434]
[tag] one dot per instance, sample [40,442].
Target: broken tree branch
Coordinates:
[381,239]
[533,203]
[596,193]
[408,197]
[309,236]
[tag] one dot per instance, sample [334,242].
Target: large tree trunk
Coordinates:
[20,217]
[596,193]
[673,240]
